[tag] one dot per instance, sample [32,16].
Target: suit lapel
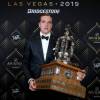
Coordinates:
[50,47]
[39,46]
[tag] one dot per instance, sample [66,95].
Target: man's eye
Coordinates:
[49,22]
[43,21]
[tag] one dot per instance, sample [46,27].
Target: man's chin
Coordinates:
[46,32]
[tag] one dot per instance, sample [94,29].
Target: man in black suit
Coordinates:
[38,50]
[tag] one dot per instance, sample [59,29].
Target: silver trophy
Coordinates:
[64,47]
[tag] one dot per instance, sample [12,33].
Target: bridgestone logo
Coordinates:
[56,11]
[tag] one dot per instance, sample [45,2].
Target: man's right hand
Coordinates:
[32,85]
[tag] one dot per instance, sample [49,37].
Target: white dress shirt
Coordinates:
[45,44]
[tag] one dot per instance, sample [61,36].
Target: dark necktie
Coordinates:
[45,37]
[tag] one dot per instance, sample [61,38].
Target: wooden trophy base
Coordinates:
[62,78]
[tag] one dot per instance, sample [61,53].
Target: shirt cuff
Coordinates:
[31,79]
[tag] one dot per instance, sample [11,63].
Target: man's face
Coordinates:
[45,24]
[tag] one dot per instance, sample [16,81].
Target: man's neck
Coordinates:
[45,34]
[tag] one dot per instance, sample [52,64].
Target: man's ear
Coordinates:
[39,25]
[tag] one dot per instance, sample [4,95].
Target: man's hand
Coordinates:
[81,75]
[32,85]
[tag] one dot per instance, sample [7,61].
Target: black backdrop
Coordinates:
[16,26]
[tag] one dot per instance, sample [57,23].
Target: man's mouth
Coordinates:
[46,28]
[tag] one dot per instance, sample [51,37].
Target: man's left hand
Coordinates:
[81,75]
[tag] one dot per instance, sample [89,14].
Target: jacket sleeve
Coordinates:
[30,72]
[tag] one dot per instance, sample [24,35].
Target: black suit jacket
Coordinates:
[33,55]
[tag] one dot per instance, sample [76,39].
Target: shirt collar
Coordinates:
[48,34]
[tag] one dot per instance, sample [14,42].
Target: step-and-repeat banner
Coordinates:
[19,19]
